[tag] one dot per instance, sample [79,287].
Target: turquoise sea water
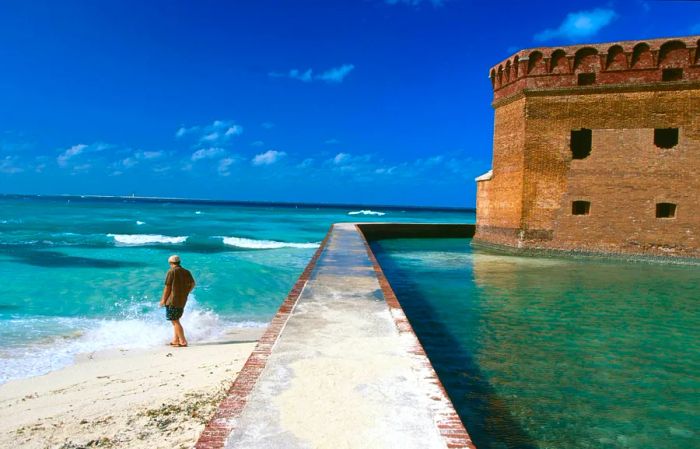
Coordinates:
[81,274]
[540,353]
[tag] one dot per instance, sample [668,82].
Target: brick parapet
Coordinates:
[626,62]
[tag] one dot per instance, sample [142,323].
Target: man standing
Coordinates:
[178,284]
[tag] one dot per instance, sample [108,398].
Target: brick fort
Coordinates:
[596,149]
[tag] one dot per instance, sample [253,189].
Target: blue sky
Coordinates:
[362,101]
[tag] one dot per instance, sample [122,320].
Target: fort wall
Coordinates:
[528,199]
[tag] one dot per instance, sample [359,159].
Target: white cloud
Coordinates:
[234,130]
[81,168]
[129,162]
[148,154]
[70,153]
[207,153]
[385,171]
[218,133]
[334,75]
[8,165]
[579,25]
[224,166]
[341,158]
[431,161]
[305,163]
[346,162]
[301,76]
[268,157]
[121,165]
[69,157]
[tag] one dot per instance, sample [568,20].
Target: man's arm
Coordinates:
[166,294]
[191,285]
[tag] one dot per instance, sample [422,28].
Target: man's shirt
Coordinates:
[181,282]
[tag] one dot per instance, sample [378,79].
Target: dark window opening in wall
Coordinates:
[672,75]
[586,79]
[581,141]
[665,210]
[580,208]
[666,137]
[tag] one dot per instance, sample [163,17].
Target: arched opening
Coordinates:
[616,58]
[697,52]
[507,71]
[499,76]
[493,78]
[516,63]
[642,57]
[559,63]
[673,54]
[535,64]
[586,60]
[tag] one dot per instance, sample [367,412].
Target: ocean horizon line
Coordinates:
[215,202]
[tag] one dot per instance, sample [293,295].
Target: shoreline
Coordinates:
[134,398]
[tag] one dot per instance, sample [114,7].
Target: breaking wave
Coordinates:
[145,239]
[241,242]
[366,212]
[141,326]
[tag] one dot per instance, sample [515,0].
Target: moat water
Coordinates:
[540,353]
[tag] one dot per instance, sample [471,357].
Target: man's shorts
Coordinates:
[173,313]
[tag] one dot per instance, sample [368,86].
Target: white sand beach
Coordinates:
[158,398]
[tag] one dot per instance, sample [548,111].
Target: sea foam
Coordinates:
[366,212]
[241,242]
[145,239]
[141,326]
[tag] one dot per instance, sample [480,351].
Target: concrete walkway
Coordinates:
[342,374]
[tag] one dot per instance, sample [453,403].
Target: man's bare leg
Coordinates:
[175,341]
[179,333]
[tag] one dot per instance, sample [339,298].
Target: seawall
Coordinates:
[340,365]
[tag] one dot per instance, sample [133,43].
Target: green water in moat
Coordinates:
[556,353]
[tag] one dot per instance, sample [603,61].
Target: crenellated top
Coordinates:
[627,62]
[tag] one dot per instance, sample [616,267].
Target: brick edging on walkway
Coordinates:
[449,424]
[221,425]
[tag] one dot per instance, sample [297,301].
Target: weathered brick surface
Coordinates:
[495,203]
[527,203]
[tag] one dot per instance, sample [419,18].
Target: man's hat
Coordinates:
[174,259]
